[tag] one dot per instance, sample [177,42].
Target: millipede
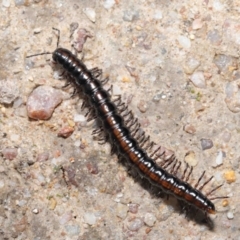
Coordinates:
[119,127]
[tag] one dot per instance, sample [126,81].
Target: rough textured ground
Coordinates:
[176,62]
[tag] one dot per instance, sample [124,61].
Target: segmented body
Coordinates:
[121,138]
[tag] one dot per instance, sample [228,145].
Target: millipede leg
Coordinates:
[178,167]
[205,183]
[213,190]
[189,174]
[196,185]
[184,173]
[105,80]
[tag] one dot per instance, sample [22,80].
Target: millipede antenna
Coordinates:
[45,53]
[58,35]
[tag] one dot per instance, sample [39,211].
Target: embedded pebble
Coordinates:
[226,64]
[135,224]
[149,219]
[92,168]
[41,179]
[14,137]
[72,230]
[21,111]
[65,132]
[52,203]
[158,15]
[191,65]
[142,106]
[226,136]
[130,15]
[35,210]
[189,128]
[214,37]
[165,211]
[66,217]
[218,5]
[197,24]
[21,203]
[225,203]
[190,158]
[90,13]
[10,153]
[231,30]
[19,2]
[90,218]
[133,207]
[159,96]
[232,99]
[230,215]
[42,157]
[21,225]
[198,79]
[122,210]
[37,30]
[206,143]
[230,176]
[17,102]
[108,4]
[199,107]
[184,42]
[42,102]
[9,91]
[219,158]
[77,143]
[6,3]
[79,118]
[236,75]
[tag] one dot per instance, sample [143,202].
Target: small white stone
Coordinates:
[6,3]
[230,215]
[108,4]
[149,219]
[77,143]
[90,13]
[218,6]
[90,218]
[79,118]
[158,15]
[14,137]
[219,159]
[35,210]
[184,42]
[197,24]
[37,30]
[198,79]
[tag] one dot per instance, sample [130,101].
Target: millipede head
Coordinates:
[211,209]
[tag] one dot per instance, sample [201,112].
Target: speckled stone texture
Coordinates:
[176,64]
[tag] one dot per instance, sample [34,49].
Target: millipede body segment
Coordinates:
[116,130]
